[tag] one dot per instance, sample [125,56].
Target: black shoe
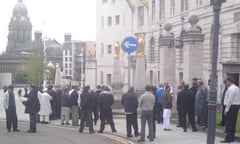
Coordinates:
[16,130]
[113,131]
[91,132]
[80,130]
[141,140]
[62,123]
[194,130]
[185,130]
[137,134]
[129,136]
[225,141]
[9,130]
[67,123]
[167,129]
[100,131]
[179,126]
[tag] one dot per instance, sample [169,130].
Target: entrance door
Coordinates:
[235,77]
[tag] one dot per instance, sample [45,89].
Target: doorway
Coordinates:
[235,77]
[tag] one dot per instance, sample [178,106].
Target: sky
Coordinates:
[54,18]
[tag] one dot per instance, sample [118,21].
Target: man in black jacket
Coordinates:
[87,106]
[32,108]
[130,103]
[106,100]
[186,104]
[75,108]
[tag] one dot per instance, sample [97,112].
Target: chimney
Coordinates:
[67,37]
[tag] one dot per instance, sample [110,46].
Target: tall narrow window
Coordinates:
[153,10]
[109,79]
[102,49]
[162,9]
[109,21]
[141,16]
[184,5]
[199,3]
[117,18]
[109,49]
[151,77]
[151,50]
[173,5]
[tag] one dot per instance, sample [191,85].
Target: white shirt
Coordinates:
[232,97]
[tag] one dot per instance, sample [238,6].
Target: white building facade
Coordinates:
[151,18]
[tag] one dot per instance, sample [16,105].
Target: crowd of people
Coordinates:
[155,106]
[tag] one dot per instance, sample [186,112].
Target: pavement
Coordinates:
[167,137]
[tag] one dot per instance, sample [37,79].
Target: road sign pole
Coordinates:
[129,71]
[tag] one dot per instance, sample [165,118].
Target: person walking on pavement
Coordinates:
[75,108]
[66,107]
[130,103]
[232,105]
[167,106]
[87,106]
[45,106]
[186,104]
[53,94]
[222,123]
[146,105]
[179,112]
[10,109]
[96,106]
[106,101]
[32,108]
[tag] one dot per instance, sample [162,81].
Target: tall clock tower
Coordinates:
[20,30]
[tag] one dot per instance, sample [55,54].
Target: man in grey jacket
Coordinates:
[146,104]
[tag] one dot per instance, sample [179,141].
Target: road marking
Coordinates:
[110,136]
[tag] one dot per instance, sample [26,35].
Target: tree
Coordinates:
[20,78]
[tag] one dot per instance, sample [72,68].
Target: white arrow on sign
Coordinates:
[127,44]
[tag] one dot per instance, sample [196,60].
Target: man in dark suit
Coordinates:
[130,103]
[32,108]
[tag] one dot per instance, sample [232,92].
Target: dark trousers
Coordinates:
[158,111]
[190,113]
[132,121]
[11,116]
[180,116]
[86,115]
[231,120]
[106,115]
[147,116]
[33,122]
[96,115]
[223,116]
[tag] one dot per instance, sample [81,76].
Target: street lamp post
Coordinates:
[213,85]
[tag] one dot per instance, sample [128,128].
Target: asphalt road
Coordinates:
[51,134]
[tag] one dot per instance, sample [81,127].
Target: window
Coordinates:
[109,21]
[141,16]
[199,2]
[66,66]
[70,66]
[70,52]
[101,80]
[66,72]
[102,49]
[152,49]
[104,1]
[117,18]
[184,5]
[158,77]
[162,9]
[65,52]
[173,4]
[70,59]
[66,59]
[109,49]
[153,10]
[102,22]
[151,77]
[70,72]
[109,79]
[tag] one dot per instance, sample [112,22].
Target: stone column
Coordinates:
[167,56]
[116,79]
[193,51]
[140,73]
[58,77]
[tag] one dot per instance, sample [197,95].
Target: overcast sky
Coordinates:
[54,18]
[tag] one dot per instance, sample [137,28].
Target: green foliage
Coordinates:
[35,68]
[20,78]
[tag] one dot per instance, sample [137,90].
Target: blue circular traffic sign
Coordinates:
[129,44]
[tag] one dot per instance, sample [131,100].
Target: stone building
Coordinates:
[20,45]
[178,38]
